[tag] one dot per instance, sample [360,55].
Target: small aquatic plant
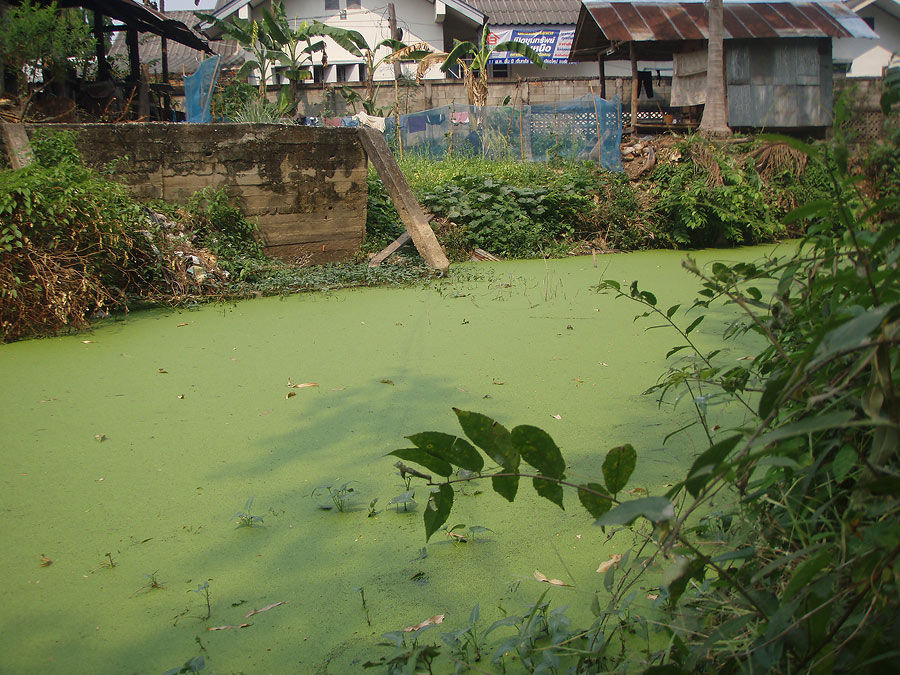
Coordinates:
[404,498]
[194,665]
[153,583]
[204,590]
[362,595]
[245,518]
[340,495]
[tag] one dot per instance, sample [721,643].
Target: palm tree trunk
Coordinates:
[715,112]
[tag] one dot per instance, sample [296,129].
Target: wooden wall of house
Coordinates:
[305,187]
[783,83]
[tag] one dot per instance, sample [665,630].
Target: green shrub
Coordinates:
[498,217]
[882,162]
[382,220]
[69,243]
[55,147]
[779,549]
[711,198]
[220,226]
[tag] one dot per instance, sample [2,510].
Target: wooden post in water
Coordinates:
[411,213]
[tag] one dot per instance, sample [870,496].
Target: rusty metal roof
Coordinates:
[604,25]
[529,12]
[183,60]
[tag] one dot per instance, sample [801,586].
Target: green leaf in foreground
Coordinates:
[538,449]
[809,425]
[549,490]
[424,458]
[618,467]
[490,436]
[654,509]
[595,504]
[506,486]
[457,451]
[438,509]
[706,464]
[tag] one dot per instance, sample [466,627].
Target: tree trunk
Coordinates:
[715,112]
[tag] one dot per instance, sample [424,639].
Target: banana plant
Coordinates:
[356,44]
[294,47]
[255,38]
[473,59]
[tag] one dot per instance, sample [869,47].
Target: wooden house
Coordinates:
[777,54]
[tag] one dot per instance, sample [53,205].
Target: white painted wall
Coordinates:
[415,17]
[868,58]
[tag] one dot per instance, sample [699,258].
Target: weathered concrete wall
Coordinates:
[304,187]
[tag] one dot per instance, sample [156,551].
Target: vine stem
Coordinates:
[535,476]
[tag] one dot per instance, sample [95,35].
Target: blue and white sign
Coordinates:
[553,44]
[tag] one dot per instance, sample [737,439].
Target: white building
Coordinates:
[869,58]
[435,22]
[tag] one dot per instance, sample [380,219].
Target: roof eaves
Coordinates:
[474,15]
[221,13]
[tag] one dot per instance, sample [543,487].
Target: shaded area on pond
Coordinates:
[145,437]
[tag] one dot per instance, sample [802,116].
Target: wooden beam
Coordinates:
[411,213]
[634,86]
[390,249]
[103,70]
[395,34]
[17,145]
[601,65]
[134,56]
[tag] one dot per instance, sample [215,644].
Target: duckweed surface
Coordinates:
[138,444]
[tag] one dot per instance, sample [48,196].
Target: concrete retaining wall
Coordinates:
[304,187]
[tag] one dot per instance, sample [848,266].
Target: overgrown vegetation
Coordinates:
[699,194]
[779,551]
[74,245]
[39,43]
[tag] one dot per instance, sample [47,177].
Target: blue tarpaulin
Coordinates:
[198,90]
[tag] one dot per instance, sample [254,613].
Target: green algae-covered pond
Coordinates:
[140,441]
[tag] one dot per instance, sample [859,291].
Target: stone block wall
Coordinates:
[304,187]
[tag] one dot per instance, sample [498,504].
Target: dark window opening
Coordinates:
[332,5]
[500,69]
[343,72]
[354,4]
[318,73]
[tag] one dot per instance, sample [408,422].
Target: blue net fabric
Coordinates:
[198,91]
[583,128]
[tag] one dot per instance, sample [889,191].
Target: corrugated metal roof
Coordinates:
[182,59]
[661,21]
[141,18]
[529,12]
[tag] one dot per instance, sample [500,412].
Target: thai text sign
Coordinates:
[553,44]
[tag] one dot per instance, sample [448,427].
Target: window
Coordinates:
[500,70]
[318,74]
[362,72]
[332,5]
[354,4]
[344,71]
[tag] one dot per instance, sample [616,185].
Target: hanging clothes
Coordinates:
[645,82]
[415,123]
